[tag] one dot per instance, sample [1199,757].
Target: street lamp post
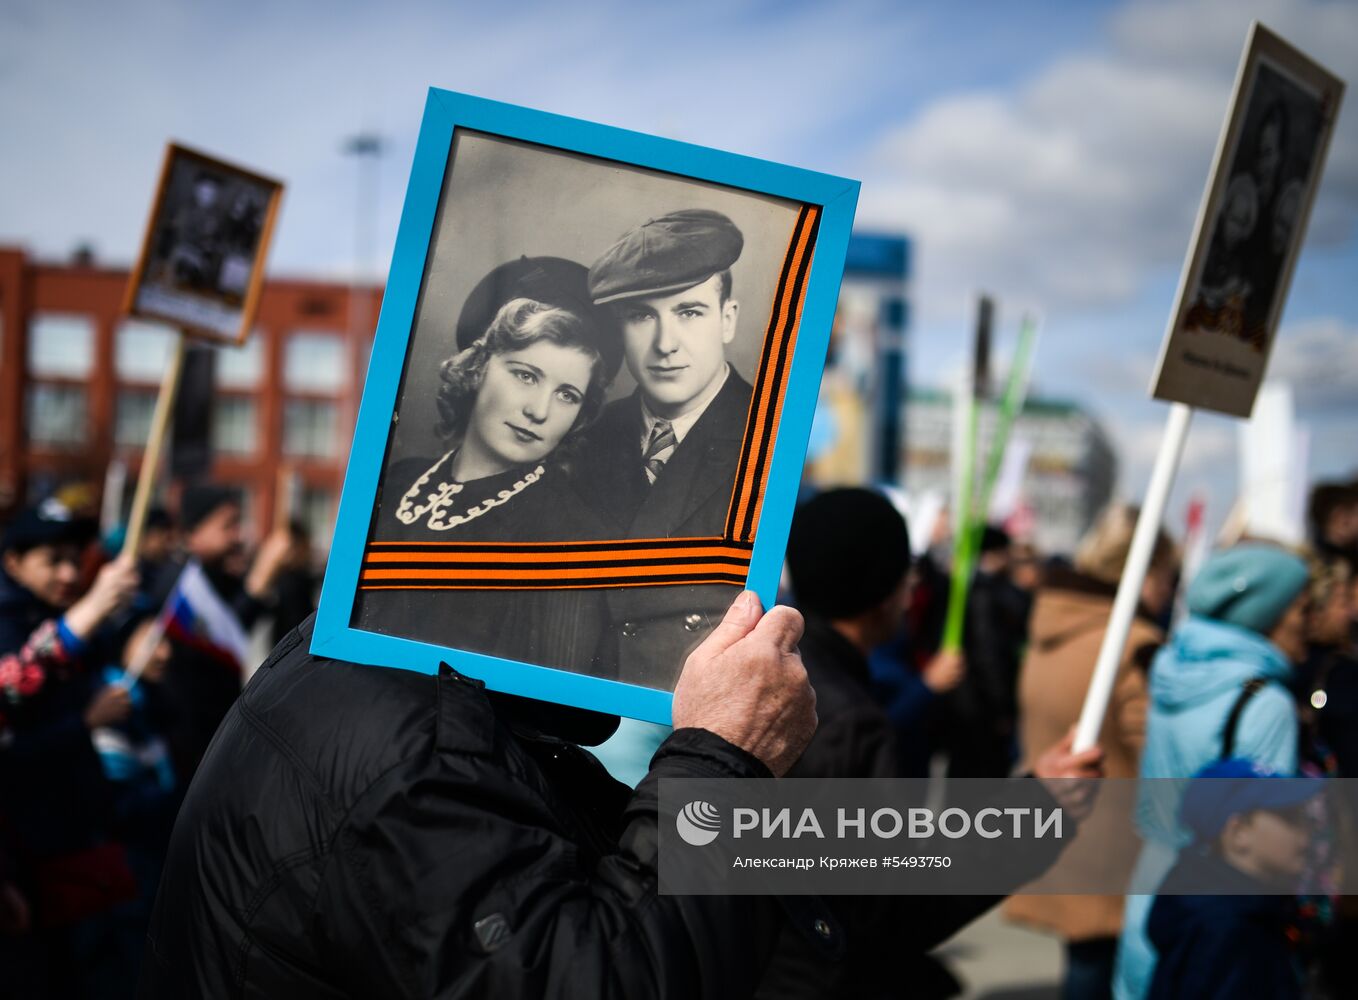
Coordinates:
[367,148]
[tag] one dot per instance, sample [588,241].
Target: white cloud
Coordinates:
[1072,188]
[92,91]
[1208,469]
[1211,444]
[1320,359]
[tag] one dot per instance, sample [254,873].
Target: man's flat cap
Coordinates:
[666,255]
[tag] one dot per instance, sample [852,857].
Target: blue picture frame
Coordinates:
[832,199]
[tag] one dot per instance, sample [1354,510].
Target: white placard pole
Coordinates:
[1133,575]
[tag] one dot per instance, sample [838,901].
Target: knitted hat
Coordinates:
[1250,586]
[848,550]
[201,500]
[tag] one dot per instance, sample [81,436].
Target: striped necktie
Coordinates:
[659,448]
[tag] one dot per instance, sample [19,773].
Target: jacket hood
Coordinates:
[1204,658]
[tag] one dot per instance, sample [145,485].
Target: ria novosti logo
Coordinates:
[699,823]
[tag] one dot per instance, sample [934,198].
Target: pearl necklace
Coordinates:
[441,498]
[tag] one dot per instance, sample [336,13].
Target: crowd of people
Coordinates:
[108,700]
[313,859]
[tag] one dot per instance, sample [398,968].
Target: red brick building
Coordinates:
[78,383]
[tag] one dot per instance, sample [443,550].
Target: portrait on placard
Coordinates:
[575,461]
[1256,216]
[202,263]
[1250,227]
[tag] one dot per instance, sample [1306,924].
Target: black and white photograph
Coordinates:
[1250,227]
[581,375]
[204,254]
[1258,211]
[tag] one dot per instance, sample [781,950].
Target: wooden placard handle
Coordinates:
[287,493]
[155,441]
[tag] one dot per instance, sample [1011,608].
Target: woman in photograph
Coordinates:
[534,360]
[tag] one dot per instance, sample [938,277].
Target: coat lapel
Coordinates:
[614,481]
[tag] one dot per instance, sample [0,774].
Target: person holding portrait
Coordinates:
[534,360]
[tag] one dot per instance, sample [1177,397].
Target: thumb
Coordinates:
[783,626]
[1086,758]
[740,620]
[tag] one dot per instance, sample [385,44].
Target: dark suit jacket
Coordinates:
[655,628]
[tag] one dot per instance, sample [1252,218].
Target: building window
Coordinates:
[235,426]
[314,362]
[316,510]
[309,428]
[61,345]
[240,367]
[132,418]
[142,351]
[57,415]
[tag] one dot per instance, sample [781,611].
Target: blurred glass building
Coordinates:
[857,433]
[1066,476]
[871,427]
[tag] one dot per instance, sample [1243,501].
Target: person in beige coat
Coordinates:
[1068,623]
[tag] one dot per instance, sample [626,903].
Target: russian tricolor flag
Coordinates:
[196,616]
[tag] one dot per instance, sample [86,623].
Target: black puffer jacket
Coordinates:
[367,832]
[886,937]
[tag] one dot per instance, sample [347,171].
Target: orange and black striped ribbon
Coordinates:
[766,404]
[631,562]
[537,566]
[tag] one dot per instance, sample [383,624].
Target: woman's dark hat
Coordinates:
[202,500]
[553,281]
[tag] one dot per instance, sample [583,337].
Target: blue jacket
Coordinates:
[1195,681]
[53,797]
[1220,946]
[20,613]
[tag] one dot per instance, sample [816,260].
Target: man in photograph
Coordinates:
[661,463]
[197,225]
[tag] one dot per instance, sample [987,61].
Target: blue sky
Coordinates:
[1051,153]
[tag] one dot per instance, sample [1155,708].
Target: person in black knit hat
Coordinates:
[199,689]
[848,556]
[982,711]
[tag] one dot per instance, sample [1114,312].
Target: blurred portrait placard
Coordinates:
[587,407]
[202,262]
[1250,226]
